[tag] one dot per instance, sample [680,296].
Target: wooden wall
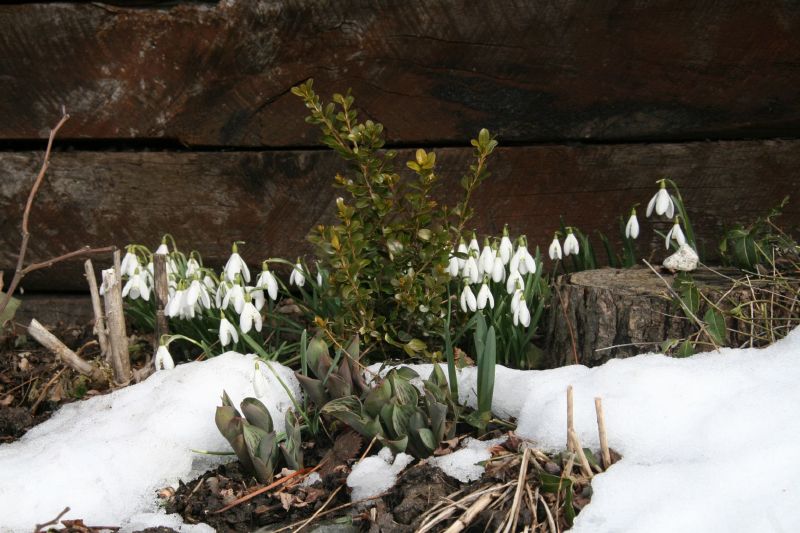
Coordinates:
[182,119]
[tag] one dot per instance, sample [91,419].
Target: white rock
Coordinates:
[684,260]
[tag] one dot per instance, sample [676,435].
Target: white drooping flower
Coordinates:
[473,245]
[266,280]
[661,202]
[506,247]
[297,277]
[498,270]
[468,300]
[485,296]
[192,267]
[162,249]
[174,304]
[209,282]
[198,293]
[234,296]
[514,279]
[236,265]
[260,385]
[452,266]
[632,227]
[222,289]
[163,359]
[130,263]
[555,249]
[463,251]
[471,269]
[250,317]
[525,262]
[486,259]
[257,295]
[522,314]
[137,287]
[571,246]
[227,332]
[675,234]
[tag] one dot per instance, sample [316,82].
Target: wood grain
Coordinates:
[272,199]
[219,74]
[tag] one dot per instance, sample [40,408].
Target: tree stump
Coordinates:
[617,313]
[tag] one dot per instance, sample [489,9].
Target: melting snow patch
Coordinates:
[105,457]
[463,464]
[376,474]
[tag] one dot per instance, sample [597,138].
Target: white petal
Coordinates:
[246,318]
[650,205]
[463,299]
[669,236]
[555,250]
[663,201]
[471,301]
[272,287]
[530,264]
[224,332]
[505,249]
[499,270]
[452,267]
[163,359]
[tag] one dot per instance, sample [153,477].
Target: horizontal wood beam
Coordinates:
[219,74]
[272,199]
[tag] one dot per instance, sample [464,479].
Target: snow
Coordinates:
[106,457]
[463,464]
[708,442]
[376,474]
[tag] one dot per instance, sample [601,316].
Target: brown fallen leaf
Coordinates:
[7,400]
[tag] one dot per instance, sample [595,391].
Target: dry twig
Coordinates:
[52,522]
[67,356]
[99,317]
[601,430]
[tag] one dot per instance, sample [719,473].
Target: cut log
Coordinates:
[618,313]
[272,199]
[432,71]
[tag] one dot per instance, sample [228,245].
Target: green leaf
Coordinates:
[257,414]
[690,297]
[10,310]
[715,324]
[685,349]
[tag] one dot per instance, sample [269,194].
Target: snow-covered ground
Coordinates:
[709,442]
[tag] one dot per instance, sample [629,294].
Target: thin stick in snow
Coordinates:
[118,339]
[67,356]
[601,430]
[570,417]
[97,308]
[584,462]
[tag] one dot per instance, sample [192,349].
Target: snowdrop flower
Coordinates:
[515,299]
[473,244]
[522,314]
[260,385]
[486,259]
[453,267]
[471,269]
[130,263]
[555,248]
[662,202]
[498,270]
[209,282]
[468,300]
[675,234]
[522,260]
[249,316]
[632,227]
[192,267]
[136,287]
[175,303]
[485,296]
[235,296]
[319,275]
[462,249]
[297,277]
[222,289]
[514,279]
[258,297]
[266,280]
[163,249]
[236,265]
[227,332]
[163,359]
[571,246]
[506,247]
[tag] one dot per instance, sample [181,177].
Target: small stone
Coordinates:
[684,260]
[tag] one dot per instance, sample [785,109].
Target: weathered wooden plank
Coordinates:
[219,74]
[272,199]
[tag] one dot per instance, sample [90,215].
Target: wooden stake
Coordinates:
[601,429]
[570,417]
[118,338]
[161,294]
[99,317]
[587,469]
[67,356]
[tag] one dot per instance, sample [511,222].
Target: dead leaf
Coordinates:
[346,447]
[8,400]
[227,496]
[166,493]
[23,365]
[287,500]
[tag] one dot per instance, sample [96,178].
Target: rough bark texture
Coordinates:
[219,73]
[272,200]
[633,311]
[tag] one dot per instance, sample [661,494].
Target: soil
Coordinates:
[401,510]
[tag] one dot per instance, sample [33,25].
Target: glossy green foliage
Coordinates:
[387,254]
